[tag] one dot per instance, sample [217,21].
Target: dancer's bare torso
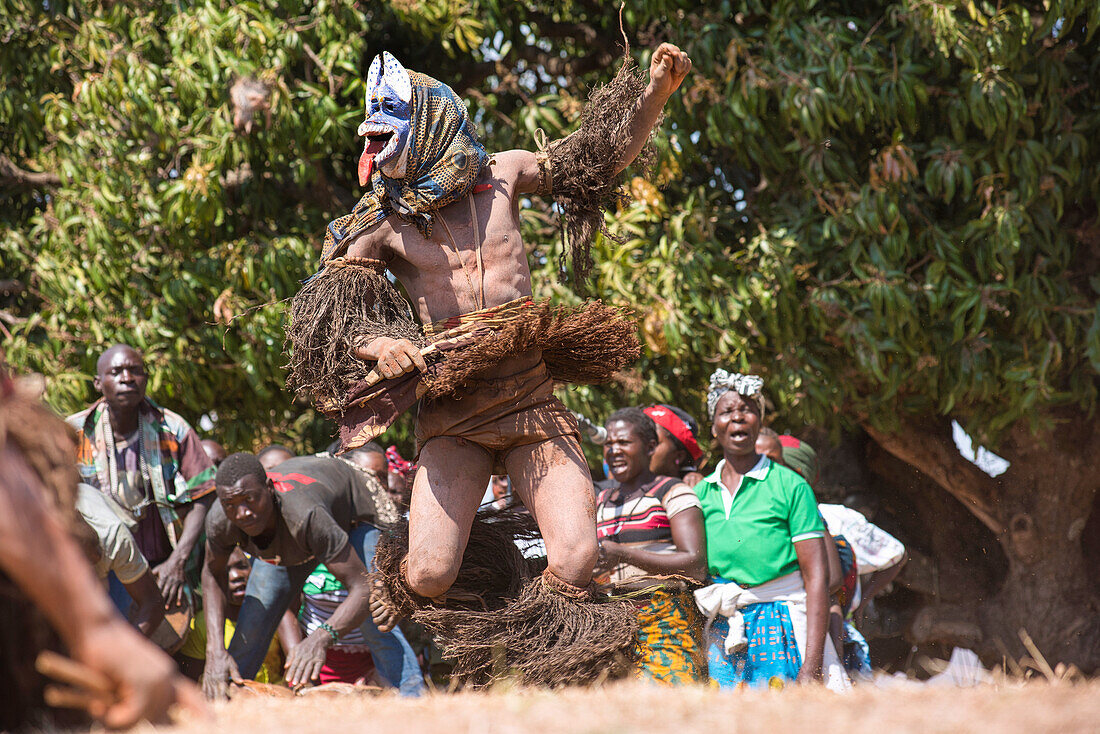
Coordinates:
[440,274]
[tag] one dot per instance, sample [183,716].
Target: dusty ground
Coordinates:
[636,707]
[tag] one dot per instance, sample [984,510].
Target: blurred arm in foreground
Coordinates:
[40,556]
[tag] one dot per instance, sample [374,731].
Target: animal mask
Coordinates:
[437,158]
[388,113]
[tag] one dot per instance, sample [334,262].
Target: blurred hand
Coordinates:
[810,672]
[381,610]
[146,682]
[608,557]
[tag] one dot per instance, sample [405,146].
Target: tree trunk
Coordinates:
[1038,511]
[1045,504]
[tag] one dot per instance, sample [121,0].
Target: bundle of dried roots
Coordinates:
[542,638]
[493,569]
[336,307]
[584,345]
[585,179]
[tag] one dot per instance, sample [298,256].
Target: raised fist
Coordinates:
[667,68]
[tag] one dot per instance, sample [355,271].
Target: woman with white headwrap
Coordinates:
[767,608]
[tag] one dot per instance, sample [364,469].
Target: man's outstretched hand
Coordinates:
[305,661]
[667,69]
[220,670]
[171,578]
[381,609]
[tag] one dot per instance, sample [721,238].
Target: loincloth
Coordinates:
[585,344]
[498,414]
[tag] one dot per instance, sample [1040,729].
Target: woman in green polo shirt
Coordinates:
[765,554]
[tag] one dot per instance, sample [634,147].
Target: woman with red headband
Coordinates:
[678,451]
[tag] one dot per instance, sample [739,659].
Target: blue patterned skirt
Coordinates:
[772,650]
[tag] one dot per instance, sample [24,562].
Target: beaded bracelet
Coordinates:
[328,628]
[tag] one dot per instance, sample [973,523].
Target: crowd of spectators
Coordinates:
[739,576]
[749,580]
[147,487]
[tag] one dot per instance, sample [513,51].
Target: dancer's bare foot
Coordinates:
[381,606]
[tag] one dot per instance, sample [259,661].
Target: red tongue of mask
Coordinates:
[366,161]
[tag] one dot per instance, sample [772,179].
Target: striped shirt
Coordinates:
[321,594]
[642,521]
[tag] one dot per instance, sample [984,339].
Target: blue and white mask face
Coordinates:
[389,112]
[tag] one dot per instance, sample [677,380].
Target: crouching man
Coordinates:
[305,511]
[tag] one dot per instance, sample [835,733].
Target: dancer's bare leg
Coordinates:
[553,480]
[446,493]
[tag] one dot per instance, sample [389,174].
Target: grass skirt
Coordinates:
[499,620]
[585,344]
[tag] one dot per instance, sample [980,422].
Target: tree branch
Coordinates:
[599,47]
[11,174]
[927,445]
[12,287]
[473,75]
[321,65]
[569,67]
[321,192]
[550,28]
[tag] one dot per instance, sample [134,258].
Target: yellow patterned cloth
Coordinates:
[444,161]
[271,671]
[669,630]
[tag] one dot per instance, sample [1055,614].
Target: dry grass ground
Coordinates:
[636,707]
